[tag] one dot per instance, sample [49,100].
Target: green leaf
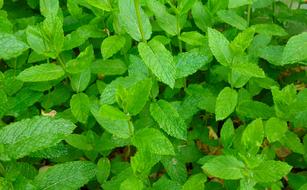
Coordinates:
[41,73]
[175,168]
[132,183]
[275,129]
[82,62]
[80,81]
[49,7]
[104,5]
[193,38]
[225,167]
[79,104]
[270,171]
[225,103]
[152,140]
[243,40]
[103,170]
[227,133]
[219,46]
[112,45]
[248,69]
[26,136]
[169,119]
[195,182]
[134,20]
[134,98]
[190,62]
[159,60]
[68,176]
[202,16]
[269,29]
[47,38]
[10,46]
[109,67]
[293,142]
[231,18]
[185,5]
[252,136]
[165,20]
[237,3]
[114,121]
[79,141]
[295,49]
[143,161]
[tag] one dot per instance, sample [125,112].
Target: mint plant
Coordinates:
[153,94]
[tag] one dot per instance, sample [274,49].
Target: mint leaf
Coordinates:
[270,29]
[112,45]
[41,73]
[219,46]
[134,98]
[227,133]
[10,46]
[248,69]
[159,60]
[295,49]
[270,171]
[232,168]
[70,176]
[79,104]
[275,129]
[134,20]
[237,3]
[232,19]
[225,103]
[195,182]
[26,136]
[154,141]
[252,136]
[169,119]
[114,121]
[132,183]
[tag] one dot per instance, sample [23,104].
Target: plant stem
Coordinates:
[178,33]
[61,61]
[139,19]
[291,3]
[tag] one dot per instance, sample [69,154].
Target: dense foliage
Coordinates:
[153,94]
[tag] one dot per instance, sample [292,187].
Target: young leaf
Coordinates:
[152,140]
[270,171]
[295,49]
[175,168]
[41,73]
[112,45]
[225,103]
[10,46]
[104,5]
[82,62]
[68,176]
[103,170]
[252,136]
[26,136]
[79,104]
[109,67]
[227,133]
[80,81]
[143,161]
[225,167]
[231,18]
[193,38]
[134,98]
[48,38]
[169,119]
[159,60]
[114,121]
[243,40]
[219,46]
[275,129]
[134,20]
